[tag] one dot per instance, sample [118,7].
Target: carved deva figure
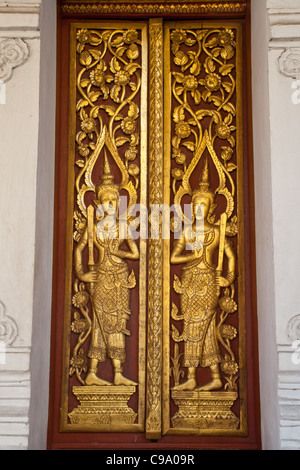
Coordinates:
[199,289]
[109,281]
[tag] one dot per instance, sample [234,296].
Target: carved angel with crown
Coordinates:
[109,281]
[199,287]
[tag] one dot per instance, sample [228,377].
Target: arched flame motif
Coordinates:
[104,140]
[185,188]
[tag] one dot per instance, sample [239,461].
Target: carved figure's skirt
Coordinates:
[111,309]
[199,302]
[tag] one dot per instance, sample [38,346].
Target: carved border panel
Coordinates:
[155,284]
[149,7]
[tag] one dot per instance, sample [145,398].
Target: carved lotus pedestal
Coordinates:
[103,405]
[198,410]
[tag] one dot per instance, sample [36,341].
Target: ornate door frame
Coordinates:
[155,369]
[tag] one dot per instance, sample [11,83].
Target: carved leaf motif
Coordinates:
[177,285]
[121,141]
[209,65]
[226,69]
[133,52]
[115,93]
[176,335]
[84,83]
[174,313]
[132,68]
[85,59]
[178,114]
[231,167]
[133,111]
[95,53]
[181,58]
[115,65]
[81,104]
[93,96]
[131,280]
[195,68]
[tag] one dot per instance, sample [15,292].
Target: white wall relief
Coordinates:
[289,62]
[13,53]
[8,327]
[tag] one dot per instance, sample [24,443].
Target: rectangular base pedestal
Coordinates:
[204,410]
[103,405]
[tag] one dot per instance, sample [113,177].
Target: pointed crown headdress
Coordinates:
[107,180]
[204,186]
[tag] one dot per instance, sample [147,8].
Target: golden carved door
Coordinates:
[153,310]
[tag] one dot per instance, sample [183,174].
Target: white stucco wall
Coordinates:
[284,69]
[264,226]
[40,358]
[19,131]
[27,135]
[276,124]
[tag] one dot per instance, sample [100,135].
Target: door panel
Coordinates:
[204,321]
[108,131]
[152,320]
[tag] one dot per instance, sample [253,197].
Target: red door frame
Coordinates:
[58,440]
